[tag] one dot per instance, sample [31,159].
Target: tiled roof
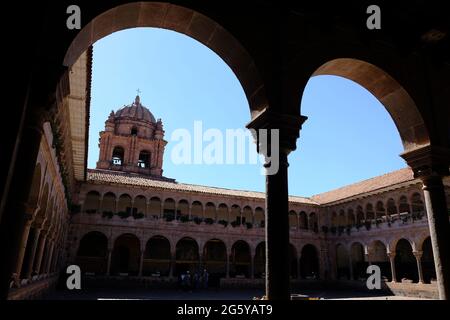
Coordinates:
[388,179]
[104,176]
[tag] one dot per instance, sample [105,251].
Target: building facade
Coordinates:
[130,221]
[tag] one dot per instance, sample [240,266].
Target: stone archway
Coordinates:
[183,20]
[126,255]
[157,257]
[92,253]
[309,262]
[389,92]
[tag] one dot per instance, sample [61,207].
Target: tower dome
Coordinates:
[135,111]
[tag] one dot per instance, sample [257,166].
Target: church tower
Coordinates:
[133,141]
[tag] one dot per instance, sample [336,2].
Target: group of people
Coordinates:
[197,280]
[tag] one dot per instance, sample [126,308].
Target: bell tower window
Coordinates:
[117,157]
[144,159]
[134,131]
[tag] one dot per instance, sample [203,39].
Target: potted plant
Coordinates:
[123,214]
[235,224]
[107,214]
[184,218]
[223,222]
[249,225]
[198,220]
[209,221]
[368,224]
[138,215]
[348,229]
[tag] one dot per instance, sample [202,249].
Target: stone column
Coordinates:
[227,274]
[350,264]
[391,256]
[50,256]
[108,262]
[173,258]
[40,252]
[277,201]
[430,164]
[23,244]
[29,269]
[141,263]
[418,255]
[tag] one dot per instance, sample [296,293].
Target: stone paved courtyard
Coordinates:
[210,294]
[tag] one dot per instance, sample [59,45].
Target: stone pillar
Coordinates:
[227,274]
[23,245]
[29,269]
[418,255]
[40,252]
[173,258]
[141,263]
[108,262]
[277,200]
[350,266]
[50,256]
[391,256]
[430,164]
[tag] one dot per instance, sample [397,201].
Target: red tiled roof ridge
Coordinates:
[194,186]
[367,185]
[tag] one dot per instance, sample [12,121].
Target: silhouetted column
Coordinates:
[29,269]
[172,264]
[430,164]
[108,262]
[50,256]
[391,256]
[277,199]
[227,274]
[23,245]
[141,263]
[40,252]
[418,255]
[350,266]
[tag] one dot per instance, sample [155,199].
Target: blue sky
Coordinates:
[348,136]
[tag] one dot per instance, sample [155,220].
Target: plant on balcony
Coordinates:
[223,222]
[107,214]
[348,230]
[368,224]
[138,215]
[169,218]
[325,229]
[91,211]
[198,220]
[209,221]
[234,224]
[333,230]
[184,218]
[340,230]
[123,214]
[249,225]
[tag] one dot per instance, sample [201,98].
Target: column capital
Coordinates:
[391,255]
[289,127]
[418,254]
[428,161]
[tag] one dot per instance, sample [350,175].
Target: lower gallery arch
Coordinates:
[309,262]
[92,253]
[379,257]
[187,256]
[359,266]
[126,255]
[260,260]
[157,257]
[342,262]
[428,268]
[240,259]
[215,260]
[405,262]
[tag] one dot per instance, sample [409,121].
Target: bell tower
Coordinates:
[133,141]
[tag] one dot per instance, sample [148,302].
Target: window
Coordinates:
[117,156]
[144,159]
[134,131]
